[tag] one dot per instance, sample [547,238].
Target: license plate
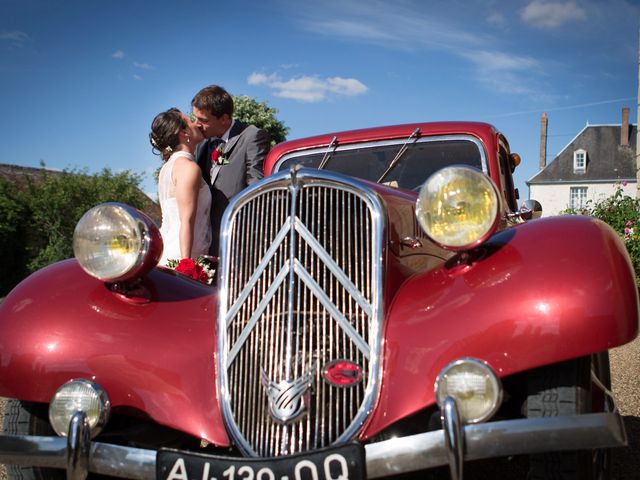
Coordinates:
[337,463]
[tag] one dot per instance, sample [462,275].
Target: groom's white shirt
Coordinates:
[225,136]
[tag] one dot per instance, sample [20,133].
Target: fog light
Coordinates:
[79,395]
[473,385]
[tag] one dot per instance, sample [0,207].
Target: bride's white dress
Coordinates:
[170,227]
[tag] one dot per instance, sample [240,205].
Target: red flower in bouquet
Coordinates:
[201,269]
[190,268]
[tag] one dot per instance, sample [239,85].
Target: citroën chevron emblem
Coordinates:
[286,397]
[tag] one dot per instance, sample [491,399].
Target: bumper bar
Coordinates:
[389,457]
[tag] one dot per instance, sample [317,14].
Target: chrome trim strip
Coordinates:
[254,278]
[294,190]
[335,269]
[333,311]
[256,315]
[397,141]
[390,457]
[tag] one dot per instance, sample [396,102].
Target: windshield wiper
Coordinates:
[405,146]
[328,153]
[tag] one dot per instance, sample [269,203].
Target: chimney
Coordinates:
[543,141]
[624,129]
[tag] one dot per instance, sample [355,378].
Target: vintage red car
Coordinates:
[382,306]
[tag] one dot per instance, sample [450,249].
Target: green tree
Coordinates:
[249,110]
[38,219]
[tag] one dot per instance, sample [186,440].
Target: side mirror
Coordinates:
[530,210]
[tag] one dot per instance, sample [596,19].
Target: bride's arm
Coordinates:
[187,180]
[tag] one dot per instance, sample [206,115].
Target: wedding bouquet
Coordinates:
[201,269]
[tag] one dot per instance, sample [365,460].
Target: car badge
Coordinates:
[286,397]
[342,373]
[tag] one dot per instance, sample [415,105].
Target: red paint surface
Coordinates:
[158,357]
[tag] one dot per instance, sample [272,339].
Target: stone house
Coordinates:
[599,159]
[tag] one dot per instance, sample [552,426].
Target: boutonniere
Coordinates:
[218,156]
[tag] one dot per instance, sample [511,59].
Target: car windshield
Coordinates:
[370,161]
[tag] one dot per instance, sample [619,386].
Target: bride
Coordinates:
[185,198]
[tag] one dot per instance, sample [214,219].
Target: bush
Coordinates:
[622,213]
[249,110]
[13,252]
[37,217]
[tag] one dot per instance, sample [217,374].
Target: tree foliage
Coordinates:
[622,213]
[38,217]
[249,110]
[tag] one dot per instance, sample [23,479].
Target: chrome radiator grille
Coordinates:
[300,288]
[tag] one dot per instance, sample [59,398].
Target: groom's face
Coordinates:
[210,125]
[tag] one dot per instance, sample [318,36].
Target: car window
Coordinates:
[370,161]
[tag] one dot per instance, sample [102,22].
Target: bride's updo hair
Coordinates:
[165,130]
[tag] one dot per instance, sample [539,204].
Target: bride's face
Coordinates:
[192,128]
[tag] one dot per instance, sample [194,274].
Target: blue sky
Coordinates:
[80,81]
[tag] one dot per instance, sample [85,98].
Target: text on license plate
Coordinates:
[340,463]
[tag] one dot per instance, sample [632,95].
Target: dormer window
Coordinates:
[579,161]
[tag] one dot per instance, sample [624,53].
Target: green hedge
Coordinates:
[38,214]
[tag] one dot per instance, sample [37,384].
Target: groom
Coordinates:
[231,155]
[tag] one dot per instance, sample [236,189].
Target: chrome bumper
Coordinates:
[399,455]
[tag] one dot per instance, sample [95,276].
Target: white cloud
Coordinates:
[260,79]
[388,24]
[355,29]
[309,88]
[144,66]
[404,25]
[137,77]
[346,86]
[504,73]
[496,18]
[500,62]
[15,36]
[118,54]
[552,14]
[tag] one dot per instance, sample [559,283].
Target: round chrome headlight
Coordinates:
[474,386]
[113,242]
[75,396]
[458,207]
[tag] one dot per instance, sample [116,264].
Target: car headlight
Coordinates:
[113,242]
[75,396]
[458,207]
[474,386]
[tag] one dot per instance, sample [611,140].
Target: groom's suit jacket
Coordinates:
[245,151]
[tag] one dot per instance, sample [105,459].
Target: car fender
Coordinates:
[539,293]
[154,356]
